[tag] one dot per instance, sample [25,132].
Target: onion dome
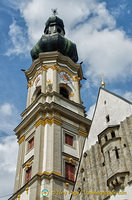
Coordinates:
[53,40]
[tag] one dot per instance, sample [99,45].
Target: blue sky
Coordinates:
[102,31]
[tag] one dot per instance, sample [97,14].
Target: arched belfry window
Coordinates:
[64,92]
[37,92]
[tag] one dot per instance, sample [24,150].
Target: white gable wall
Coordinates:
[107,104]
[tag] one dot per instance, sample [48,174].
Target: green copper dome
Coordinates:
[53,40]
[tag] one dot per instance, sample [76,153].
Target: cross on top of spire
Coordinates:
[54,12]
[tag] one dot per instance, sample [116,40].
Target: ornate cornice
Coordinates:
[76,78]
[48,121]
[55,67]
[21,140]
[70,160]
[85,134]
[45,67]
[57,58]
[48,107]
[52,172]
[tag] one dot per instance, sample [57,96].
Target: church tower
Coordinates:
[54,126]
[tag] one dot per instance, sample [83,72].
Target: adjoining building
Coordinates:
[106,167]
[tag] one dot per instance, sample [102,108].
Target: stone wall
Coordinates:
[104,170]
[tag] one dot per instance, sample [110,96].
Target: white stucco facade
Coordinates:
[108,104]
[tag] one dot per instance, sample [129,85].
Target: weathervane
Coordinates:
[54,12]
[102,82]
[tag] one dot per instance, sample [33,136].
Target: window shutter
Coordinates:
[31,143]
[69,171]
[72,172]
[28,174]
[69,139]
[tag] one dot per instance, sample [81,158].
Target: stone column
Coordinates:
[38,150]
[55,80]
[29,96]
[44,81]
[20,161]
[76,92]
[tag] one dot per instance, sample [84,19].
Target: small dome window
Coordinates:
[113,134]
[58,30]
[64,92]
[47,31]
[106,138]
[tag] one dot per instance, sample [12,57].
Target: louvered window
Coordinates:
[69,139]
[28,174]
[31,144]
[70,171]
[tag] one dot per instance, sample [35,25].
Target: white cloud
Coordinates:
[9,118]
[102,47]
[128,96]
[8,157]
[90,112]
[125,94]
[6,109]
[19,42]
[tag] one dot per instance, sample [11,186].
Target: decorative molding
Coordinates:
[67,185]
[45,68]
[47,173]
[82,133]
[48,82]
[65,70]
[56,121]
[72,94]
[70,160]
[27,188]
[53,172]
[76,78]
[55,67]
[28,164]
[48,121]
[36,74]
[39,174]
[42,122]
[56,173]
[30,83]
[21,139]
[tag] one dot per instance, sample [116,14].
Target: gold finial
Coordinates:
[102,82]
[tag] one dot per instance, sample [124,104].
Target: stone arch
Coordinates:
[65,90]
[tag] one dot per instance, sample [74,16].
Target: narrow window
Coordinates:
[113,134]
[64,92]
[70,171]
[28,174]
[38,93]
[58,30]
[116,152]
[69,139]
[107,118]
[31,144]
[106,138]
[109,156]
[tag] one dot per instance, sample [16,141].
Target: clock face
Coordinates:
[65,77]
